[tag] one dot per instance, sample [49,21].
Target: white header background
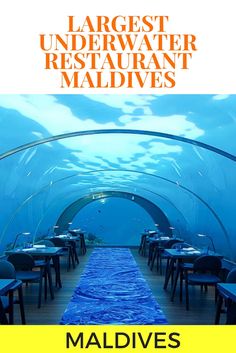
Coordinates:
[211,70]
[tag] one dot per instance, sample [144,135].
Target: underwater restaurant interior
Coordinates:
[117,209]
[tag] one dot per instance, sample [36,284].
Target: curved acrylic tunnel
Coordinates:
[186,172]
[155,212]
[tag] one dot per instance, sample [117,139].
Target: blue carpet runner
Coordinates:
[112,290]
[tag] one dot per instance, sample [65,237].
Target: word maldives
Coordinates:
[117,52]
[122,340]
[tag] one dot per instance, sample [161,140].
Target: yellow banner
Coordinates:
[127,339]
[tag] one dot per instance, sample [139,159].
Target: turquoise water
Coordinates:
[176,151]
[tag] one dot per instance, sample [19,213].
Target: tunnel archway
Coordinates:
[155,213]
[180,177]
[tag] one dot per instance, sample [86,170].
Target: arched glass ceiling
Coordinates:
[205,118]
[156,149]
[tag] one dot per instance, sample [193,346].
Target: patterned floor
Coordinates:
[112,290]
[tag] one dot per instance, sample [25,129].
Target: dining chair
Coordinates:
[24,264]
[152,246]
[82,244]
[206,269]
[183,266]
[7,271]
[45,242]
[3,317]
[159,254]
[171,264]
[38,261]
[55,264]
[67,250]
[72,241]
[143,244]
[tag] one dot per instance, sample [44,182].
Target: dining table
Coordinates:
[47,253]
[176,258]
[228,290]
[179,256]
